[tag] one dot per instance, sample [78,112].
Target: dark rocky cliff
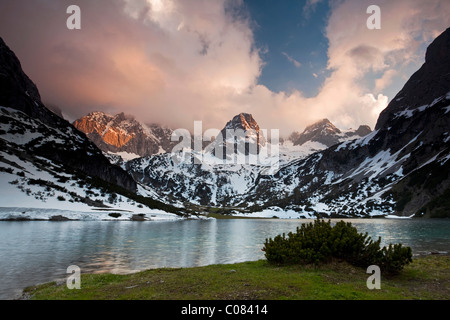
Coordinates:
[402,167]
[73,149]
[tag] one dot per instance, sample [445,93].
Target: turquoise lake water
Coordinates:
[39,251]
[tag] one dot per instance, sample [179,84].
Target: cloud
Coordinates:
[309,7]
[385,80]
[292,60]
[367,57]
[356,53]
[177,61]
[165,61]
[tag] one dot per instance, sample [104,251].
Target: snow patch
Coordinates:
[358,142]
[447,109]
[25,213]
[407,113]
[126,156]
[276,212]
[444,159]
[389,216]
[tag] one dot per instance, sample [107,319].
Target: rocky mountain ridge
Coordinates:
[124,134]
[212,182]
[400,168]
[325,132]
[45,162]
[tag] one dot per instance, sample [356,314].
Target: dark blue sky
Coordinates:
[292,42]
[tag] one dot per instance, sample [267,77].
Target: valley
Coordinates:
[114,161]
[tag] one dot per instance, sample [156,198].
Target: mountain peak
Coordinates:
[327,133]
[437,51]
[322,131]
[123,133]
[323,124]
[363,130]
[246,122]
[253,136]
[322,121]
[243,121]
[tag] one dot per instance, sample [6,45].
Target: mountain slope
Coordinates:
[45,162]
[218,181]
[326,133]
[240,135]
[430,82]
[399,168]
[18,92]
[124,135]
[210,180]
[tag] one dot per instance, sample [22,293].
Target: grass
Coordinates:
[426,278]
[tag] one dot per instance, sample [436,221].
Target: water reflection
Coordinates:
[35,252]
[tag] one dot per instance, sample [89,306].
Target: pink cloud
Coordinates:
[177,61]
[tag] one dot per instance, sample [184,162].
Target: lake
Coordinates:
[40,251]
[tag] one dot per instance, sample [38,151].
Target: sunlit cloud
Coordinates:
[177,61]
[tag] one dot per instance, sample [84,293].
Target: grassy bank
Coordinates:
[425,278]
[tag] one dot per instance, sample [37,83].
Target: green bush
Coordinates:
[319,242]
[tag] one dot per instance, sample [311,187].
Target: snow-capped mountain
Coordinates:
[400,168]
[124,136]
[210,180]
[47,164]
[220,181]
[240,135]
[326,133]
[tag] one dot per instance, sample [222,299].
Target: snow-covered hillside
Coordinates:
[401,168]
[48,167]
[214,181]
[35,187]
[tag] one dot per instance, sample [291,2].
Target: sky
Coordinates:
[287,62]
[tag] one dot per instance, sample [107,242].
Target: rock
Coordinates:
[69,147]
[58,218]
[246,136]
[138,217]
[327,134]
[122,133]
[438,252]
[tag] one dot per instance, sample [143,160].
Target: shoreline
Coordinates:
[427,277]
[117,214]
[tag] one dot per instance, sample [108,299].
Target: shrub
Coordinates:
[319,242]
